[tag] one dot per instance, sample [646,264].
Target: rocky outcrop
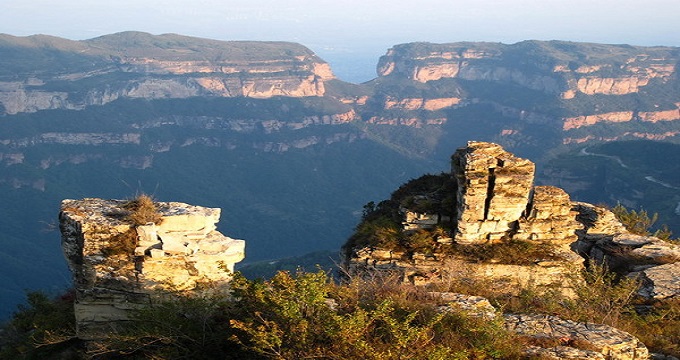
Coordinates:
[419,103]
[118,267]
[620,116]
[587,120]
[496,203]
[139,65]
[609,86]
[605,241]
[656,116]
[550,337]
[493,192]
[576,340]
[414,121]
[627,135]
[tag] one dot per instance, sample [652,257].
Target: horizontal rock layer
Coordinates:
[182,252]
[140,65]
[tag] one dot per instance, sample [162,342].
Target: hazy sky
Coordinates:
[337,28]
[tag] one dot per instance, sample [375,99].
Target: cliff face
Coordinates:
[496,203]
[118,267]
[553,67]
[570,93]
[561,86]
[139,65]
[160,102]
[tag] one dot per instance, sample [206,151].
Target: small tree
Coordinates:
[639,222]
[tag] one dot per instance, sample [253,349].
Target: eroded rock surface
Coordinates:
[600,341]
[496,203]
[181,253]
[493,191]
[551,337]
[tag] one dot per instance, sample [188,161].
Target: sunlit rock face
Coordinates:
[493,191]
[495,203]
[618,90]
[604,341]
[181,253]
[141,65]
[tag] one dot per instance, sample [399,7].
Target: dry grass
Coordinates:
[143,210]
[513,252]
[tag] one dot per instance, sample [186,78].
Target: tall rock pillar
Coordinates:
[493,191]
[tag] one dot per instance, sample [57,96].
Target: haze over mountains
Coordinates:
[265,131]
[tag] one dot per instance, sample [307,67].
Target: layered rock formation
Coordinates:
[424,62]
[595,341]
[140,65]
[605,241]
[496,203]
[493,191]
[118,267]
[582,80]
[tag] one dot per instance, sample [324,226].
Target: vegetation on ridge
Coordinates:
[307,315]
[381,227]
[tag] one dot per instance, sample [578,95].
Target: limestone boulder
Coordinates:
[118,266]
[660,282]
[608,342]
[475,306]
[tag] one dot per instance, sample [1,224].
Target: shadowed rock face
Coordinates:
[179,254]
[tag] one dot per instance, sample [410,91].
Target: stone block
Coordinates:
[157,253]
[108,287]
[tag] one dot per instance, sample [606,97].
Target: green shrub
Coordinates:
[640,223]
[293,317]
[184,326]
[43,328]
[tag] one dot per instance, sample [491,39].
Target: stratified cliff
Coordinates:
[41,72]
[580,92]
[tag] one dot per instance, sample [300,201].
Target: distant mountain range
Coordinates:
[265,131]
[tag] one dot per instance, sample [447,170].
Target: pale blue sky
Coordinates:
[354,27]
